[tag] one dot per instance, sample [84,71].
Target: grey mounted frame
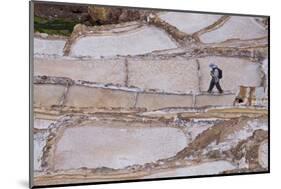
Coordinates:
[120,94]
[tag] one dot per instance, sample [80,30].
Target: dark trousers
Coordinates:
[217,84]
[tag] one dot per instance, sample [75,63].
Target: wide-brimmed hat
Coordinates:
[213,65]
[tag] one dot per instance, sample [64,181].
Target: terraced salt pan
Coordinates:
[79,96]
[236,72]
[47,95]
[101,71]
[48,47]
[116,145]
[208,168]
[158,101]
[214,100]
[172,75]
[141,41]
[237,27]
[189,22]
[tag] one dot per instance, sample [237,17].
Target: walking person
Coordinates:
[216,74]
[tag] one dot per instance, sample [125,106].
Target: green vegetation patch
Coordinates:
[54,27]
